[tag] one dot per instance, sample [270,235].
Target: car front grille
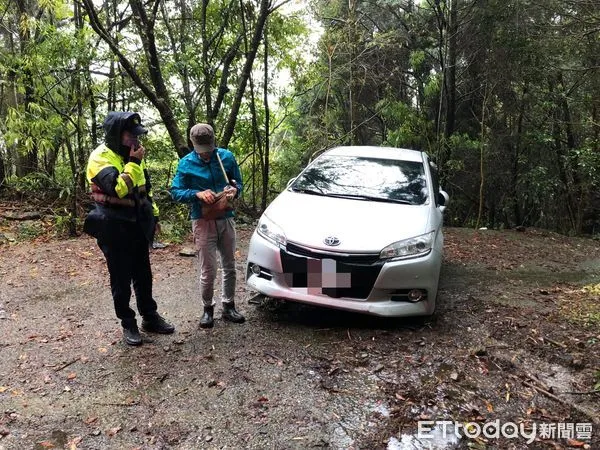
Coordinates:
[303,268]
[348,258]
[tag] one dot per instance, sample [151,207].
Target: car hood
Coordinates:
[361,226]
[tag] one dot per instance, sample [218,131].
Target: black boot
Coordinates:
[157,324]
[131,335]
[230,314]
[207,320]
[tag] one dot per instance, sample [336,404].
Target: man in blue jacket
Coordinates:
[204,176]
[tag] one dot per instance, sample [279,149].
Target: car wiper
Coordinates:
[307,191]
[371,198]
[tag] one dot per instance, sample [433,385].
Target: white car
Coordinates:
[360,229]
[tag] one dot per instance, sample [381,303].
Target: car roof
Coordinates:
[403,154]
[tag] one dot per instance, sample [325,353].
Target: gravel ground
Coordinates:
[516,338]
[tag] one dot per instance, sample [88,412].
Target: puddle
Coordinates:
[558,378]
[592,265]
[439,438]
[356,419]
[382,409]
[516,302]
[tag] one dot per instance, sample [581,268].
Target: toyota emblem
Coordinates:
[331,241]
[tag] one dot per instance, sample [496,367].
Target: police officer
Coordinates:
[124,221]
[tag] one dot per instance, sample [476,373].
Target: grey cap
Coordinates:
[202,136]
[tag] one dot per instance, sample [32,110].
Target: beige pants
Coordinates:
[212,237]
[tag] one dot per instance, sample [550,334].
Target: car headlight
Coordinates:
[416,246]
[271,231]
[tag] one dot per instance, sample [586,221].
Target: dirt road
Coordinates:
[516,339]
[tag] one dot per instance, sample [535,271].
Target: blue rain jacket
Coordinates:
[194,175]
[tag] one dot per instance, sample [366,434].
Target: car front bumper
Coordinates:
[382,297]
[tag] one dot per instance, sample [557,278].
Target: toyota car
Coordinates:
[360,229]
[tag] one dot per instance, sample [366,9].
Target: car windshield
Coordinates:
[377,179]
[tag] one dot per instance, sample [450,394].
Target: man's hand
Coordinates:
[230,191]
[207,196]
[137,152]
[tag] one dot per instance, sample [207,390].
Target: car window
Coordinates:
[362,177]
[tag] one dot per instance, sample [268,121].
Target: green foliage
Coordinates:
[286,164]
[36,181]
[174,222]
[63,179]
[29,131]
[63,223]
[432,88]
[28,230]
[417,59]
[285,35]
[525,125]
[407,128]
[587,160]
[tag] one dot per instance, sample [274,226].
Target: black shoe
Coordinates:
[207,320]
[230,314]
[132,336]
[157,324]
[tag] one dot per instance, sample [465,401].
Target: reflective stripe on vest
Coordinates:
[103,198]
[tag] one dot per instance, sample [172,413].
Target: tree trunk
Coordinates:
[482,155]
[515,175]
[451,70]
[561,157]
[111,97]
[265,174]
[443,148]
[351,82]
[576,191]
[206,69]
[257,141]
[81,154]
[2,170]
[27,161]
[250,56]
[73,206]
[156,92]
[160,97]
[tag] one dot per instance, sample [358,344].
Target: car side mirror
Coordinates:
[443,199]
[289,183]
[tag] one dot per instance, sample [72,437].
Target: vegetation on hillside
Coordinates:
[505,95]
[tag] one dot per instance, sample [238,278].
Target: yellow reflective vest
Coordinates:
[121,190]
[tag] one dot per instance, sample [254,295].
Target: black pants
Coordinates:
[128,260]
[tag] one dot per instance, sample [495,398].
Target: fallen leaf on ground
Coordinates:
[73,442]
[111,432]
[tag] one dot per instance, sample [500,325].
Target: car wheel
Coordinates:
[272,304]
